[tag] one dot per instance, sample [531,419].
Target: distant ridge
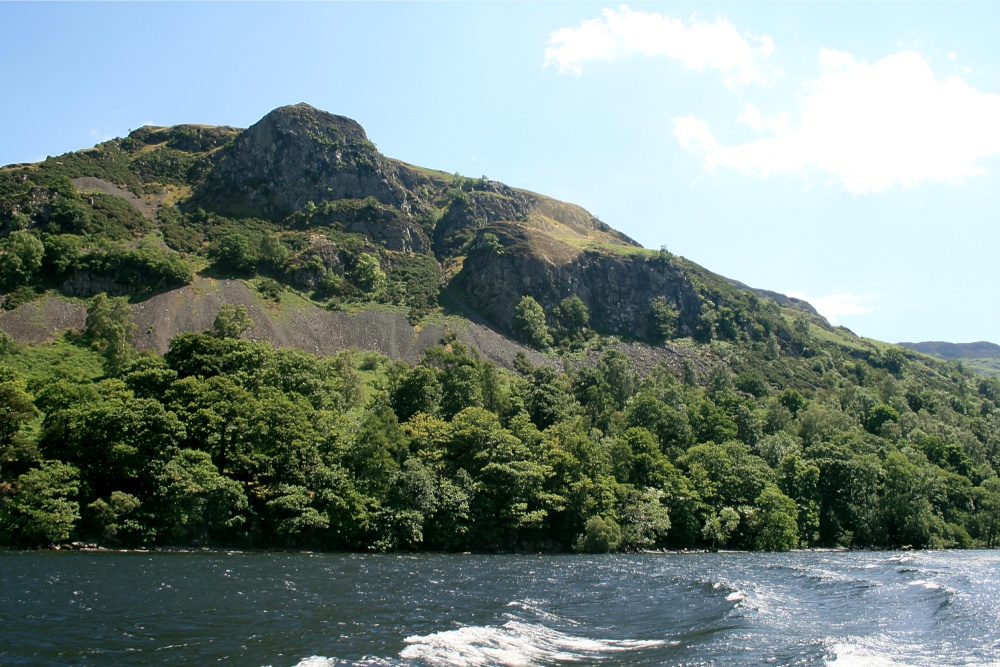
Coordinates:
[978,350]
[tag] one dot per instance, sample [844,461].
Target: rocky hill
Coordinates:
[303,201]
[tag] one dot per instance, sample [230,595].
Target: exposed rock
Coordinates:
[43,320]
[617,289]
[308,327]
[142,205]
[88,283]
[382,224]
[488,202]
[310,267]
[294,155]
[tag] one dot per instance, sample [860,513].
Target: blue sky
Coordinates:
[845,153]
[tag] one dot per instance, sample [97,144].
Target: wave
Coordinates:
[885,652]
[319,661]
[848,654]
[513,643]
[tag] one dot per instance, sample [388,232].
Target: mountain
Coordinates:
[279,337]
[943,350]
[981,357]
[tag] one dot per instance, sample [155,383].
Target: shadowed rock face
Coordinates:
[617,290]
[294,155]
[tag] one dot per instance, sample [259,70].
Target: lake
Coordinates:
[333,610]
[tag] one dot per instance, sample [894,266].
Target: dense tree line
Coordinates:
[224,441]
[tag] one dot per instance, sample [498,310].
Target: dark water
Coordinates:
[320,610]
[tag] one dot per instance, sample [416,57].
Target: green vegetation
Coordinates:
[224,441]
[768,429]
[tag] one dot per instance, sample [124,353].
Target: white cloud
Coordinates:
[870,127]
[835,306]
[624,33]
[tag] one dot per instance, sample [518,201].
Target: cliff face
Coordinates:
[618,289]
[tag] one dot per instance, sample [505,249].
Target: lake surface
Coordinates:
[334,610]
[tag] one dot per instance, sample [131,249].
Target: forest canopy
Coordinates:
[228,442]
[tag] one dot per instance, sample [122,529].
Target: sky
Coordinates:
[847,154]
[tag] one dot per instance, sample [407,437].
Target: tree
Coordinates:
[461,388]
[644,518]
[616,372]
[418,391]
[118,518]
[719,527]
[800,481]
[600,536]
[368,274]
[231,321]
[41,511]
[664,318]
[16,409]
[110,327]
[988,512]
[21,256]
[529,324]
[510,500]
[572,313]
[878,416]
[773,524]
[273,253]
[194,502]
[235,252]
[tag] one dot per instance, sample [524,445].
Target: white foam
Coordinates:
[886,652]
[855,655]
[736,596]
[515,644]
[320,661]
[316,661]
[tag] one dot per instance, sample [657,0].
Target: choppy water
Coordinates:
[329,610]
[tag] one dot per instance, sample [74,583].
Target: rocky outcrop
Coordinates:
[295,155]
[781,299]
[307,270]
[384,225]
[485,202]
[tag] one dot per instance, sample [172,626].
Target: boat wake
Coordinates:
[516,642]
[513,643]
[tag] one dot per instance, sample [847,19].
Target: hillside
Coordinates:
[279,336]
